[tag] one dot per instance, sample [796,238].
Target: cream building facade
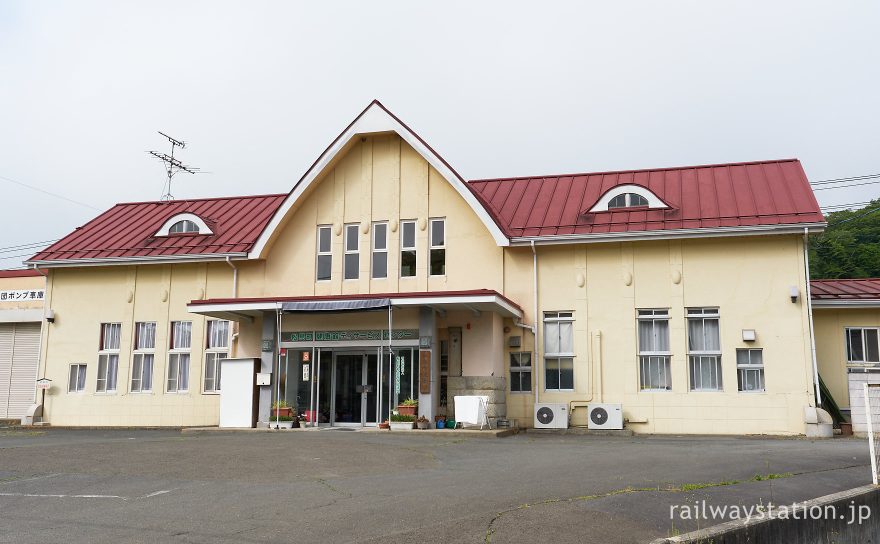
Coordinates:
[680,294]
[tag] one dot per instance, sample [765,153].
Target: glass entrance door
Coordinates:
[348,398]
[355,389]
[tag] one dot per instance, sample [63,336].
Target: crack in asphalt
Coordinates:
[490,528]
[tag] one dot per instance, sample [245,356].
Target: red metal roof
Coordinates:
[723,195]
[19,273]
[846,289]
[128,230]
[361,296]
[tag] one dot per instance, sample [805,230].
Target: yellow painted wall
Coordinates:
[747,278]
[84,298]
[829,325]
[380,179]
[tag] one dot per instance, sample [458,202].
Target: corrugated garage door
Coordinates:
[19,356]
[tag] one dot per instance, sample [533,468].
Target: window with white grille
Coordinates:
[179,356]
[437,253]
[325,254]
[654,355]
[380,251]
[862,345]
[216,349]
[750,369]
[704,349]
[108,357]
[76,382]
[559,351]
[407,249]
[520,372]
[143,356]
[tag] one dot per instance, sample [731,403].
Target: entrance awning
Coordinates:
[246,309]
[352,305]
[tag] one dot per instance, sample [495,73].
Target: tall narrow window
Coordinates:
[654,354]
[407,249]
[750,369]
[108,357]
[325,254]
[438,247]
[862,345]
[142,357]
[76,381]
[352,252]
[380,250]
[216,349]
[520,372]
[704,349]
[178,356]
[559,351]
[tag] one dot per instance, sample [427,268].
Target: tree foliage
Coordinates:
[849,247]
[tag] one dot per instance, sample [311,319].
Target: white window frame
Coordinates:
[346,231]
[743,369]
[555,318]
[649,357]
[404,248]
[81,369]
[376,251]
[174,356]
[520,370]
[698,356]
[328,253]
[432,247]
[215,352]
[862,331]
[108,353]
[139,354]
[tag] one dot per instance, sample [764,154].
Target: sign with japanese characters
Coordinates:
[22,295]
[349,336]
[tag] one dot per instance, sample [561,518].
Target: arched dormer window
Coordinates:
[627,200]
[627,196]
[184,223]
[183,226]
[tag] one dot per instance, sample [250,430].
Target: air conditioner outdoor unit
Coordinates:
[551,416]
[605,416]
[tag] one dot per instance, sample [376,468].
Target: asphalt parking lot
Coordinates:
[343,486]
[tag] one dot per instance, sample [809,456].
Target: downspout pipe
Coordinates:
[234,277]
[535,316]
[810,315]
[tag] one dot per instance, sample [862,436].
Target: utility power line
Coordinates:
[841,180]
[823,188]
[50,193]
[7,249]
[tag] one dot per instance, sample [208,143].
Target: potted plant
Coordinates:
[408,407]
[385,425]
[280,408]
[402,422]
[281,422]
[422,422]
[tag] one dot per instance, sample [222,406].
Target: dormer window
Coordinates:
[627,200]
[627,196]
[182,227]
[184,223]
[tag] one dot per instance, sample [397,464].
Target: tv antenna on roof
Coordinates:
[172,165]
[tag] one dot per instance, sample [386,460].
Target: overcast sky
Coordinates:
[259,89]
